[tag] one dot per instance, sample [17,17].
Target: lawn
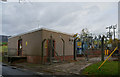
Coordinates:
[109,68]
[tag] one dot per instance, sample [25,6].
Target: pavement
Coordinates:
[65,68]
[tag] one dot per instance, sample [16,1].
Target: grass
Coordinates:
[3,48]
[109,68]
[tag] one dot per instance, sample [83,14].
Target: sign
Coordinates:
[110,41]
[109,45]
[46,45]
[79,47]
[79,43]
[95,42]
[26,43]
[75,35]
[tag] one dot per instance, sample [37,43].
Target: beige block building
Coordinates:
[30,45]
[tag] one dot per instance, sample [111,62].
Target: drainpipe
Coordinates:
[63,49]
[42,50]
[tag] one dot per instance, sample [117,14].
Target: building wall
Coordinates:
[34,41]
[33,47]
[58,42]
[12,46]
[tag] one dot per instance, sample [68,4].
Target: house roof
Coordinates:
[40,30]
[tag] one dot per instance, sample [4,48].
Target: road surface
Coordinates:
[8,71]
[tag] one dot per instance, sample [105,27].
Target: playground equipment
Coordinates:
[107,58]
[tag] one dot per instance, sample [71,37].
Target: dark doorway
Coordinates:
[51,46]
[20,47]
[53,49]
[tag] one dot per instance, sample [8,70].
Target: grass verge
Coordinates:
[109,68]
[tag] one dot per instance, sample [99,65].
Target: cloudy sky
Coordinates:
[68,17]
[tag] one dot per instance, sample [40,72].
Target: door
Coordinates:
[20,47]
[51,49]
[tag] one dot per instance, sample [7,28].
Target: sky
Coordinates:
[68,17]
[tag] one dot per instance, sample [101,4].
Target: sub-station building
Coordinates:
[42,46]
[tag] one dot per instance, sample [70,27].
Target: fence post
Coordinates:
[102,49]
[75,54]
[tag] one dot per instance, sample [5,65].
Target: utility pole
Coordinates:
[109,33]
[114,27]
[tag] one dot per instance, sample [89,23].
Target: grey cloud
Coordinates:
[65,17]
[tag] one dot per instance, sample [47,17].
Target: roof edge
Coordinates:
[42,28]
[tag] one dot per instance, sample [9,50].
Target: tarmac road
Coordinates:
[8,71]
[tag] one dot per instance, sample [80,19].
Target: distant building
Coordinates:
[30,45]
[4,38]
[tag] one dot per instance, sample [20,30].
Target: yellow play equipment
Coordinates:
[107,58]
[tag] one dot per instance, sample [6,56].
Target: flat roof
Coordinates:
[40,30]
